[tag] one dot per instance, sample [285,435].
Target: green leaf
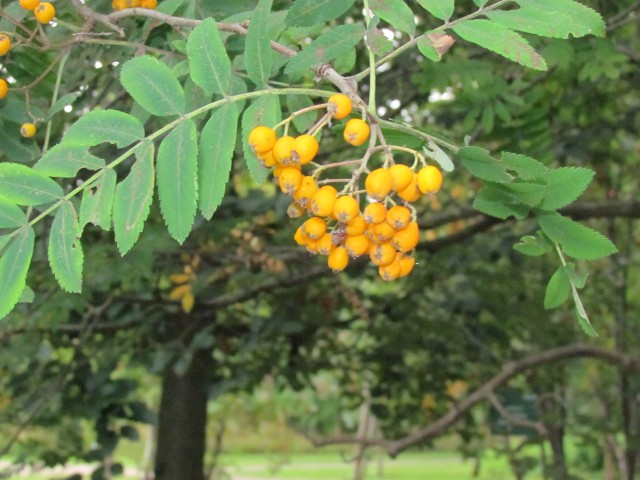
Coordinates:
[426,47]
[62,102]
[65,251]
[217,142]
[11,215]
[133,198]
[14,265]
[578,279]
[442,9]
[497,203]
[396,13]
[27,295]
[581,314]
[532,246]
[564,185]
[482,165]
[100,126]
[305,13]
[480,3]
[265,110]
[66,160]
[577,240]
[528,193]
[551,18]
[440,156]
[177,180]
[376,40]
[15,147]
[24,186]
[257,53]
[97,201]
[151,84]
[526,168]
[336,42]
[558,289]
[305,121]
[208,58]
[501,40]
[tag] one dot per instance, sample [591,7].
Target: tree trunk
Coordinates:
[182,422]
[553,418]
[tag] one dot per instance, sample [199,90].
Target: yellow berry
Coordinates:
[411,192]
[5,44]
[304,149]
[261,139]
[400,176]
[295,210]
[375,213]
[28,130]
[398,217]
[429,179]
[378,184]
[325,244]
[314,228]
[338,259]
[356,131]
[323,200]
[267,159]
[282,149]
[339,106]
[346,208]
[356,227]
[406,239]
[132,3]
[357,245]
[391,271]
[406,265]
[44,12]
[4,88]
[300,237]
[118,4]
[381,232]
[290,180]
[382,254]
[29,4]
[150,4]
[308,188]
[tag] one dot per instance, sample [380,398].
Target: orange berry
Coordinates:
[282,149]
[118,4]
[375,213]
[29,4]
[429,179]
[278,170]
[407,238]
[27,130]
[295,210]
[5,44]
[290,180]
[411,192]
[261,139]
[300,237]
[355,227]
[357,245]
[323,200]
[314,228]
[391,271]
[378,184]
[4,88]
[304,149]
[346,208]
[356,131]
[338,259]
[398,217]
[381,232]
[325,244]
[150,4]
[406,265]
[311,245]
[267,159]
[382,254]
[339,106]
[44,12]
[132,3]
[400,176]
[308,188]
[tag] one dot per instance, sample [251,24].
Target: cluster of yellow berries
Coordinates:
[124,4]
[5,46]
[42,11]
[385,229]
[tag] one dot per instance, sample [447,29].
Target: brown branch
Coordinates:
[513,420]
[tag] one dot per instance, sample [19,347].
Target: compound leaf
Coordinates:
[305,13]
[24,186]
[66,160]
[257,53]
[208,59]
[99,126]
[97,201]
[442,9]
[396,13]
[65,251]
[564,185]
[14,265]
[11,215]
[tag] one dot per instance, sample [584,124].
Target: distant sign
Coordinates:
[520,405]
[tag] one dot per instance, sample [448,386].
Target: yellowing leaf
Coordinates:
[457,389]
[179,292]
[179,278]
[187,302]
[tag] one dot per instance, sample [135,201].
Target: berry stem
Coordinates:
[297,113]
[54,97]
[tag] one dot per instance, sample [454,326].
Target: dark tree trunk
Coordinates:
[182,422]
[553,418]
